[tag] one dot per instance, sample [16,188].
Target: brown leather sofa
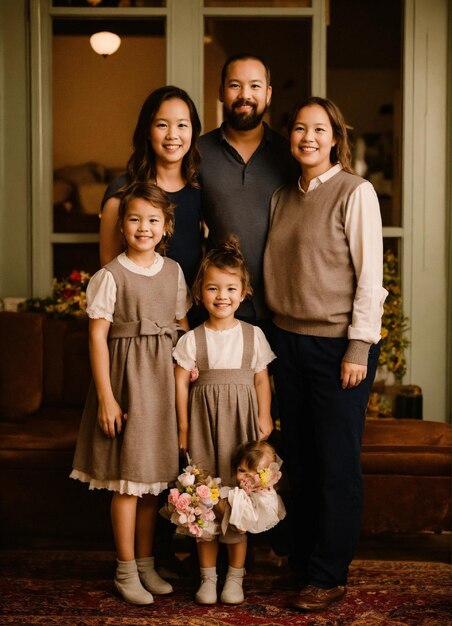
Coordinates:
[407,472]
[44,376]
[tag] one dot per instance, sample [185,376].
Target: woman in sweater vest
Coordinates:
[323,268]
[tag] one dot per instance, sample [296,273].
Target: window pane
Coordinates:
[121,4]
[258,3]
[96,102]
[364,78]
[75,256]
[284,44]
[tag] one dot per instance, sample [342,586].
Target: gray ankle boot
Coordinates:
[233,591]
[149,577]
[207,592]
[127,582]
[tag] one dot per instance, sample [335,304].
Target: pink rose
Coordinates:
[203,492]
[173,496]
[195,530]
[183,502]
[208,516]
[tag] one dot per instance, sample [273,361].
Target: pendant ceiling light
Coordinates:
[105,43]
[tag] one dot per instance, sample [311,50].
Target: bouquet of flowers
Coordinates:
[68,297]
[191,501]
[264,478]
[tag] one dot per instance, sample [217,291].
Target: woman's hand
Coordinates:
[110,417]
[352,374]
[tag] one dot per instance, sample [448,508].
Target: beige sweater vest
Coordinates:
[309,276]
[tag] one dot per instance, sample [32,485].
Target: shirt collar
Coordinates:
[315,182]
[139,269]
[267,133]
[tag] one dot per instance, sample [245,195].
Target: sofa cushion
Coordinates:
[45,439]
[66,362]
[406,433]
[407,447]
[90,197]
[413,463]
[21,364]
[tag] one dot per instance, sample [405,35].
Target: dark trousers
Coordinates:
[321,427]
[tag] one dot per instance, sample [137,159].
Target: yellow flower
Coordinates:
[263,475]
[214,494]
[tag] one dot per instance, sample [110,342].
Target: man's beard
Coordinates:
[244,121]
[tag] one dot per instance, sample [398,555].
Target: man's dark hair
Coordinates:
[243,56]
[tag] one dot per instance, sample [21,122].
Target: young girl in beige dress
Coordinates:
[128,435]
[228,403]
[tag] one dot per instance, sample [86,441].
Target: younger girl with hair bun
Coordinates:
[228,403]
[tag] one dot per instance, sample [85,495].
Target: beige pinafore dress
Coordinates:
[222,408]
[140,342]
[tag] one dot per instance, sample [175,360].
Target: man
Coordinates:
[243,162]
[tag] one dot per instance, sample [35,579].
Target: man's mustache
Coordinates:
[242,102]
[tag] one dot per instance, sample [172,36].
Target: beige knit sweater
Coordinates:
[309,276]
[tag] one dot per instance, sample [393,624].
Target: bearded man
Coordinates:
[243,162]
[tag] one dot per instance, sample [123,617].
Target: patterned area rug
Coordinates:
[66,588]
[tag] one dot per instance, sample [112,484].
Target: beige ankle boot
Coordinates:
[149,577]
[127,582]
[207,592]
[233,590]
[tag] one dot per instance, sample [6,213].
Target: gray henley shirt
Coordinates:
[236,199]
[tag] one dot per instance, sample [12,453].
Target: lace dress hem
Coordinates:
[128,487]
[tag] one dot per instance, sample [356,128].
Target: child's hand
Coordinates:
[110,417]
[265,426]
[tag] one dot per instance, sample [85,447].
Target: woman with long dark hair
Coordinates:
[165,153]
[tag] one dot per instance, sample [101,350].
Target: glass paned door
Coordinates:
[95,106]
[364,77]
